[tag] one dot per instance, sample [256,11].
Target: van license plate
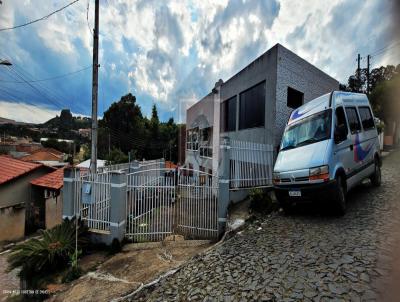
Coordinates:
[295,193]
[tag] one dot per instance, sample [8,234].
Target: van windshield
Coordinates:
[309,130]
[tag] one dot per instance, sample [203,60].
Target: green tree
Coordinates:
[116,156]
[124,129]
[385,99]
[125,125]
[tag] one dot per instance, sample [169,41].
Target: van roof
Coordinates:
[316,105]
[326,101]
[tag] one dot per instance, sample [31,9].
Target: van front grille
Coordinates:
[303,178]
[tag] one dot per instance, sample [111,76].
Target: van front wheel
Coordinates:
[376,178]
[340,201]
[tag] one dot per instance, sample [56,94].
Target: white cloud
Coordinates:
[22,112]
[174,51]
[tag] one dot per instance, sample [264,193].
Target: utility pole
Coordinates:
[109,142]
[170,157]
[93,157]
[358,71]
[368,57]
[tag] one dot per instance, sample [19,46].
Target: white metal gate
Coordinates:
[251,164]
[197,205]
[93,200]
[161,202]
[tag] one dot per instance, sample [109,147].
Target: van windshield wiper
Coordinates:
[310,141]
[288,147]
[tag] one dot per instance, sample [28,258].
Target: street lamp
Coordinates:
[5,62]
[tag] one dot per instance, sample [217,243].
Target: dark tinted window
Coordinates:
[294,98]
[352,118]
[341,125]
[252,107]
[228,115]
[340,118]
[366,118]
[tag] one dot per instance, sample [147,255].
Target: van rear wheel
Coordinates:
[340,202]
[376,178]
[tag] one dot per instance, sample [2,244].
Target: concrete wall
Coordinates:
[18,190]
[201,115]
[12,223]
[301,75]
[53,211]
[262,69]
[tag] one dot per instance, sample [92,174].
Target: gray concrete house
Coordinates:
[252,106]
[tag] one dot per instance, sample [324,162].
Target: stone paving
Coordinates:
[307,256]
[9,281]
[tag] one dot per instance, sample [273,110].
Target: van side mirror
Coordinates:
[340,134]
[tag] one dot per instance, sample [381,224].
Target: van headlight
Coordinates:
[320,173]
[276,177]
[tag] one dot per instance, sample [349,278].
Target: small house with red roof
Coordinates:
[15,195]
[47,156]
[47,199]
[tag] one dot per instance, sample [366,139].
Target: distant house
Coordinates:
[85,132]
[15,195]
[86,164]
[47,156]
[252,106]
[29,148]
[47,199]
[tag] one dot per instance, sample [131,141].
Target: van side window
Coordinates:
[354,121]
[366,118]
[340,125]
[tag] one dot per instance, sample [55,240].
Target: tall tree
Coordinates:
[124,129]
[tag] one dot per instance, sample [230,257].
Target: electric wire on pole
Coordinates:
[368,76]
[93,159]
[358,70]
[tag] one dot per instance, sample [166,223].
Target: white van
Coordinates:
[330,145]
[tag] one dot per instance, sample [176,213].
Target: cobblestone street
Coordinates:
[308,256]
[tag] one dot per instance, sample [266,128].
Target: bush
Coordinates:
[72,274]
[38,256]
[261,202]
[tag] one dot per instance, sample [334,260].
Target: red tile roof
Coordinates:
[53,180]
[11,168]
[170,165]
[53,151]
[43,155]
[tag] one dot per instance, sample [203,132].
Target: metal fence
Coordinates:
[150,200]
[251,164]
[125,167]
[197,206]
[93,192]
[161,202]
[93,199]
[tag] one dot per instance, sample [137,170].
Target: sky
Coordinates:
[171,53]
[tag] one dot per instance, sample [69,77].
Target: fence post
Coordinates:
[69,194]
[117,206]
[223,188]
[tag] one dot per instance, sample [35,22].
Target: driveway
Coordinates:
[308,256]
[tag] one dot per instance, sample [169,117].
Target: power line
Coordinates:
[29,80]
[17,100]
[384,49]
[40,19]
[50,79]
[87,17]
[54,102]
